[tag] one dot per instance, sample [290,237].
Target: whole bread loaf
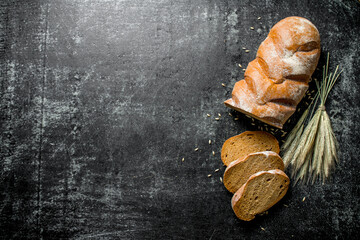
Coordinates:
[239,146]
[277,79]
[239,171]
[260,192]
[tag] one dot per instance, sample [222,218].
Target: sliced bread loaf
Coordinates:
[241,145]
[239,171]
[261,191]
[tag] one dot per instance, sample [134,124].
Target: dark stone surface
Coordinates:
[101,99]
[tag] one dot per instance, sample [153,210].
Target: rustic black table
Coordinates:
[103,103]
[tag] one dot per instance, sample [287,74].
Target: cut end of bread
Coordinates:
[268,120]
[261,191]
[229,102]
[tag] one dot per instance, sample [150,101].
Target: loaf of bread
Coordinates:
[277,79]
[239,171]
[241,145]
[261,191]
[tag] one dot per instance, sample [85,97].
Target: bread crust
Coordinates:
[276,81]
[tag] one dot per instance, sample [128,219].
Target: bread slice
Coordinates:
[239,171]
[241,145]
[261,191]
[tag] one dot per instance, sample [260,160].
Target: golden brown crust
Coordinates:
[239,146]
[276,81]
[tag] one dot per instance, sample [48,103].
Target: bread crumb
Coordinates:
[264,213]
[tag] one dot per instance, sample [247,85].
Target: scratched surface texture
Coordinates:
[101,99]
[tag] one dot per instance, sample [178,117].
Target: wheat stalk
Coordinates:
[310,151]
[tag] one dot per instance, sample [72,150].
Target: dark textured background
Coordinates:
[101,99]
